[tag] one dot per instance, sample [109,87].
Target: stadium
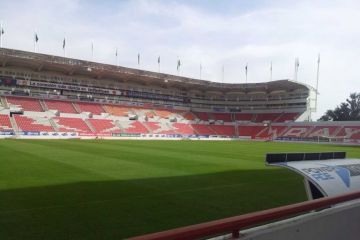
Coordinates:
[49,96]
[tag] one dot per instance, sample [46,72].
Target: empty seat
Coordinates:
[90,107]
[137,128]
[104,126]
[39,124]
[28,104]
[5,124]
[61,106]
[223,130]
[203,129]
[72,124]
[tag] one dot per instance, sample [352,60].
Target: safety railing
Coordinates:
[233,225]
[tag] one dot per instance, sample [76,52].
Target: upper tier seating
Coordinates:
[5,124]
[25,123]
[287,117]
[117,110]
[226,117]
[267,117]
[223,130]
[243,116]
[28,104]
[104,126]
[136,127]
[61,106]
[203,129]
[72,125]
[90,107]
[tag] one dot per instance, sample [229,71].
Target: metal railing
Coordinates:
[234,224]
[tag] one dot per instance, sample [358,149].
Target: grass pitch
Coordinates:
[73,189]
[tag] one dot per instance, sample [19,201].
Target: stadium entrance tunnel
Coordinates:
[325,173]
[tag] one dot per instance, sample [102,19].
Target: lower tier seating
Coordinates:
[5,124]
[25,123]
[104,126]
[223,130]
[72,125]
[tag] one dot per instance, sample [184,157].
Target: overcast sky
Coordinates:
[213,33]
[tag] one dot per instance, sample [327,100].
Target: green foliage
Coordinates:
[78,189]
[346,111]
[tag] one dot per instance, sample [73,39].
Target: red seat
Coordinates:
[28,124]
[137,128]
[61,106]
[224,130]
[90,107]
[203,129]
[72,125]
[104,126]
[5,124]
[28,104]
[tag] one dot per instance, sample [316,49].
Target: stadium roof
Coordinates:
[43,62]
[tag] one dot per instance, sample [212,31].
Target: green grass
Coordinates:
[73,189]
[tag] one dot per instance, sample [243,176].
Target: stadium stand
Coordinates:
[96,109]
[104,126]
[244,116]
[250,131]
[72,124]
[5,124]
[61,106]
[204,116]
[225,130]
[117,110]
[203,129]
[226,117]
[134,127]
[349,132]
[39,124]
[267,117]
[183,128]
[27,104]
[129,101]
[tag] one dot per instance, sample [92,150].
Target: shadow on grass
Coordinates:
[123,208]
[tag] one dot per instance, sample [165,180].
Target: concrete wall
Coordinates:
[337,223]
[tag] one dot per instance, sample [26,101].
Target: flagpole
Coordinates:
[317,81]
[92,51]
[64,47]
[296,68]
[246,73]
[159,64]
[271,71]
[35,42]
[223,74]
[1,33]
[117,57]
[200,70]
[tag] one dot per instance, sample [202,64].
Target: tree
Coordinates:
[346,111]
